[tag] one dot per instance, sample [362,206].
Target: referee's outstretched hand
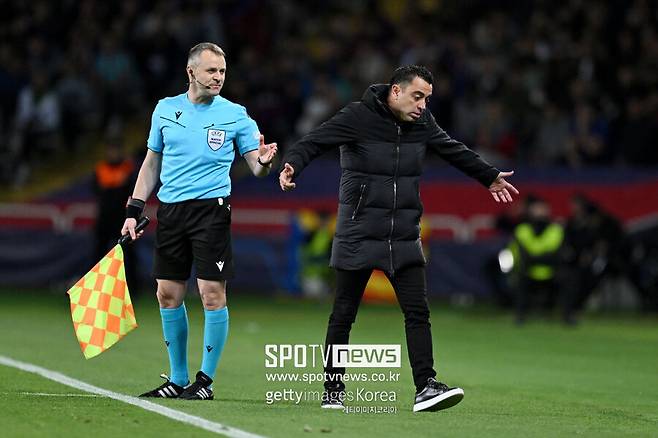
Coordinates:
[285,178]
[266,152]
[500,189]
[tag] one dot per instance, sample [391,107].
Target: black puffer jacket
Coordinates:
[381,160]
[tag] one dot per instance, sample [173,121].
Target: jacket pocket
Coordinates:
[359,202]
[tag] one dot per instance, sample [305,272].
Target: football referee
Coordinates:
[383,140]
[190,150]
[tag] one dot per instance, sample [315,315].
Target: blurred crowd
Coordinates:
[569,83]
[549,263]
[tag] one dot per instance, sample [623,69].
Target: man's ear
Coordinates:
[395,90]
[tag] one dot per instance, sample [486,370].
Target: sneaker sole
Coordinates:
[444,401]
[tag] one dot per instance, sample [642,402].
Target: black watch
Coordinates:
[264,164]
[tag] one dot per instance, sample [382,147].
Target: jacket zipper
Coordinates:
[358,204]
[395,197]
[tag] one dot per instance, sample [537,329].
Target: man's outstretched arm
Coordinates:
[338,130]
[285,178]
[260,160]
[500,189]
[470,162]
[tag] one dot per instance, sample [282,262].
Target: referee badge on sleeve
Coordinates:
[216,138]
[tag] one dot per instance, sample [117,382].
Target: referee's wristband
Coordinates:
[268,164]
[134,208]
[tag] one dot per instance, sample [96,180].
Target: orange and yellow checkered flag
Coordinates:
[100,305]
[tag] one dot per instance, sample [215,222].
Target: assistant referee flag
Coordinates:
[100,301]
[100,305]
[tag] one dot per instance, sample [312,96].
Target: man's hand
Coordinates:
[266,152]
[285,178]
[129,228]
[500,189]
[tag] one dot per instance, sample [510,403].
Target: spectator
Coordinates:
[550,146]
[118,75]
[589,59]
[78,105]
[37,124]
[587,142]
[637,134]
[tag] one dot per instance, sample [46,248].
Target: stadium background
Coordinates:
[567,97]
[564,93]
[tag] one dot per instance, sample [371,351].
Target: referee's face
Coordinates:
[210,73]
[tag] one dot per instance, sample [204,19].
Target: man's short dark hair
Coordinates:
[195,52]
[407,73]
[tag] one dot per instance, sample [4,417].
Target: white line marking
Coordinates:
[47,394]
[202,423]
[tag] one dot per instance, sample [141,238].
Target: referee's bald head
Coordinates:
[195,52]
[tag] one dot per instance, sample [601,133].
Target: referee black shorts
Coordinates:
[196,231]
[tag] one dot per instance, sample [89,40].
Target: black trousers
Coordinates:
[411,290]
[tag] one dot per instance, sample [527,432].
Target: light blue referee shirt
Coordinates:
[196,143]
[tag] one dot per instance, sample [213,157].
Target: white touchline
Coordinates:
[48,394]
[202,423]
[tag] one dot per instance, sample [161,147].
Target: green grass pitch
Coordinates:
[598,379]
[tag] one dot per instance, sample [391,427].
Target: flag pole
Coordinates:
[143,223]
